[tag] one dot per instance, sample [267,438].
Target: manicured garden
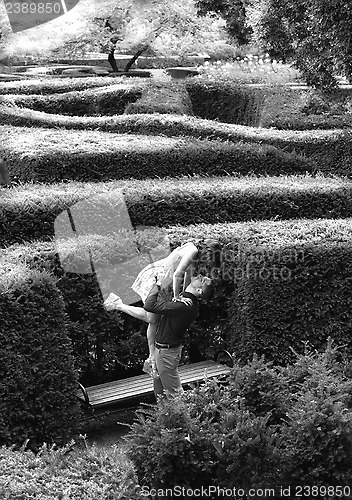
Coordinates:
[265,172]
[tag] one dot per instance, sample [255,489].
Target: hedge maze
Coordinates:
[198,160]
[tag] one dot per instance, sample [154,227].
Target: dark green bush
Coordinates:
[109,100]
[319,421]
[98,156]
[266,393]
[284,282]
[38,380]
[68,472]
[201,440]
[226,101]
[160,203]
[55,86]
[223,436]
[169,99]
[293,291]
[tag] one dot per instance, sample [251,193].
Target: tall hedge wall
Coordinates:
[292,285]
[100,156]
[38,378]
[159,202]
[278,284]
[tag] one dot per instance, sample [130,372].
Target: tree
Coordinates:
[166,27]
[233,12]
[315,34]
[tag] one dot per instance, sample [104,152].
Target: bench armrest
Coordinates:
[85,395]
[230,360]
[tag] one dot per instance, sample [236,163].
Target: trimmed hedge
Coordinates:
[98,337]
[47,85]
[163,99]
[159,202]
[285,283]
[108,100]
[226,102]
[265,430]
[67,473]
[329,150]
[38,380]
[305,109]
[293,285]
[100,156]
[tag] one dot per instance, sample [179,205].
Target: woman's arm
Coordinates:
[189,253]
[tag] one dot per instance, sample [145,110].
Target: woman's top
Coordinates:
[162,269]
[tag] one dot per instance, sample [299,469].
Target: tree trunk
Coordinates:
[135,57]
[112,61]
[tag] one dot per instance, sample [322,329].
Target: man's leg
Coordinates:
[167,361]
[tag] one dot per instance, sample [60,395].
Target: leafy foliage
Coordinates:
[261,429]
[234,13]
[314,33]
[67,472]
[38,380]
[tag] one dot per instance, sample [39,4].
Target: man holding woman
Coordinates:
[168,318]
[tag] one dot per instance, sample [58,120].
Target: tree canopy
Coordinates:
[315,34]
[168,27]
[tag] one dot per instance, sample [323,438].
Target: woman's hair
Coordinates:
[209,256]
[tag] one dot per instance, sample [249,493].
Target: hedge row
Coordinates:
[47,85]
[265,433]
[330,150]
[100,156]
[38,379]
[109,100]
[168,202]
[163,99]
[285,283]
[95,473]
[228,103]
[305,109]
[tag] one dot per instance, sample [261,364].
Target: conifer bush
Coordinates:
[38,377]
[226,436]
[69,472]
[226,101]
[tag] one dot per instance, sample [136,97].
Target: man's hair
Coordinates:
[207,289]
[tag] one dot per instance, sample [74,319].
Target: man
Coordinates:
[176,317]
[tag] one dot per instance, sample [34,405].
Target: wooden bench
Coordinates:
[128,391]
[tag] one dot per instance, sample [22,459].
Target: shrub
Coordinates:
[175,201]
[200,440]
[108,100]
[47,85]
[226,102]
[98,156]
[170,99]
[289,293]
[318,437]
[38,380]
[264,390]
[68,472]
[223,436]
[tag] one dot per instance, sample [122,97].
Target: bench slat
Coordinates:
[140,385]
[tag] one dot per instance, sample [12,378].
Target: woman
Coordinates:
[174,273]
